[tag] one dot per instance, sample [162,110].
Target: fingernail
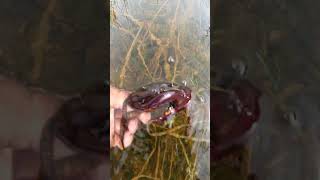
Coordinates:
[133,125]
[120,146]
[127,140]
[145,117]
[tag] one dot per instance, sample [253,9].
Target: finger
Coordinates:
[117,141]
[117,126]
[133,125]
[111,126]
[145,117]
[118,113]
[131,113]
[128,138]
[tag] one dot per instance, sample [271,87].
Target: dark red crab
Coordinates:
[234,113]
[156,95]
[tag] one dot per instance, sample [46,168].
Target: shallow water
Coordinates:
[161,40]
[278,41]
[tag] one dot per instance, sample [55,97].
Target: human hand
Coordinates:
[117,97]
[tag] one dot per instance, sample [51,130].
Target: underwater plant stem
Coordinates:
[164,157]
[148,159]
[141,24]
[154,17]
[144,63]
[41,40]
[178,46]
[168,131]
[156,58]
[266,68]
[144,176]
[216,88]
[134,20]
[127,58]
[176,12]
[184,152]
[171,163]
[175,66]
[193,171]
[172,32]
[158,160]
[124,30]
[189,138]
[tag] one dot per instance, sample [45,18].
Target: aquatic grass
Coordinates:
[170,152]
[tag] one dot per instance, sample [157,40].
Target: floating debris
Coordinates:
[171,60]
[201,98]
[292,118]
[239,67]
[184,82]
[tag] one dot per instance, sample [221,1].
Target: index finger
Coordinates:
[145,117]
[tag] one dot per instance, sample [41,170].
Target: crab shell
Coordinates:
[152,96]
[234,116]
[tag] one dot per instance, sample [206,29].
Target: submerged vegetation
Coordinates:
[160,152]
[153,41]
